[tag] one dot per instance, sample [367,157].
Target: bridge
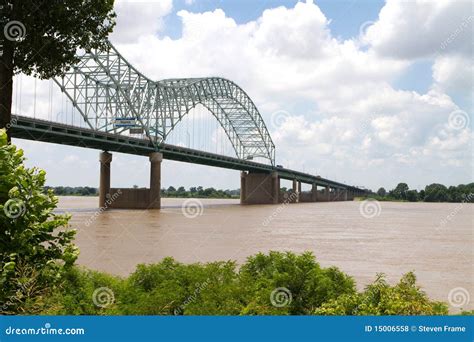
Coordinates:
[124,111]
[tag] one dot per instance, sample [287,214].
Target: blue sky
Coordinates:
[346,16]
[366,92]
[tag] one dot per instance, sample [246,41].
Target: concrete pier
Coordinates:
[259,188]
[314,193]
[105,159]
[123,198]
[155,180]
[296,191]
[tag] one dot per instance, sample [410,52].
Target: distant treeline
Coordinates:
[199,192]
[432,193]
[73,191]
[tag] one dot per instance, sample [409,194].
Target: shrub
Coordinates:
[379,298]
[85,292]
[33,253]
[295,280]
[216,288]
[173,288]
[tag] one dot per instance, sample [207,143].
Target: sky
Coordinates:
[369,93]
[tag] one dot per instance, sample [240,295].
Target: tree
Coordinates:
[41,39]
[400,192]
[381,192]
[32,253]
[436,193]
[412,195]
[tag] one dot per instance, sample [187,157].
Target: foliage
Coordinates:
[379,298]
[218,288]
[199,192]
[309,284]
[33,253]
[412,195]
[73,191]
[74,295]
[54,30]
[400,191]
[171,288]
[432,193]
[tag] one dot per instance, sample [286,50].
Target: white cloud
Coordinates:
[454,74]
[139,18]
[422,29]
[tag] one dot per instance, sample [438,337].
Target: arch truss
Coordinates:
[107,90]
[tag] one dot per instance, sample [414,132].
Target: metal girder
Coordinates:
[104,86]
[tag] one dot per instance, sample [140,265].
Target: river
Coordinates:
[433,239]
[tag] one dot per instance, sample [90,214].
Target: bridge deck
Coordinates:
[46,131]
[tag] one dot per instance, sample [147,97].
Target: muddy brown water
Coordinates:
[433,239]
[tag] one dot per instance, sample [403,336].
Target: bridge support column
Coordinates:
[314,193]
[275,188]
[105,159]
[259,188]
[345,194]
[155,180]
[327,193]
[296,191]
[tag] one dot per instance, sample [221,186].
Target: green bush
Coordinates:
[85,292]
[33,252]
[170,287]
[379,298]
[273,284]
[216,288]
[297,280]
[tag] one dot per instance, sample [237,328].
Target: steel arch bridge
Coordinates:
[104,87]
